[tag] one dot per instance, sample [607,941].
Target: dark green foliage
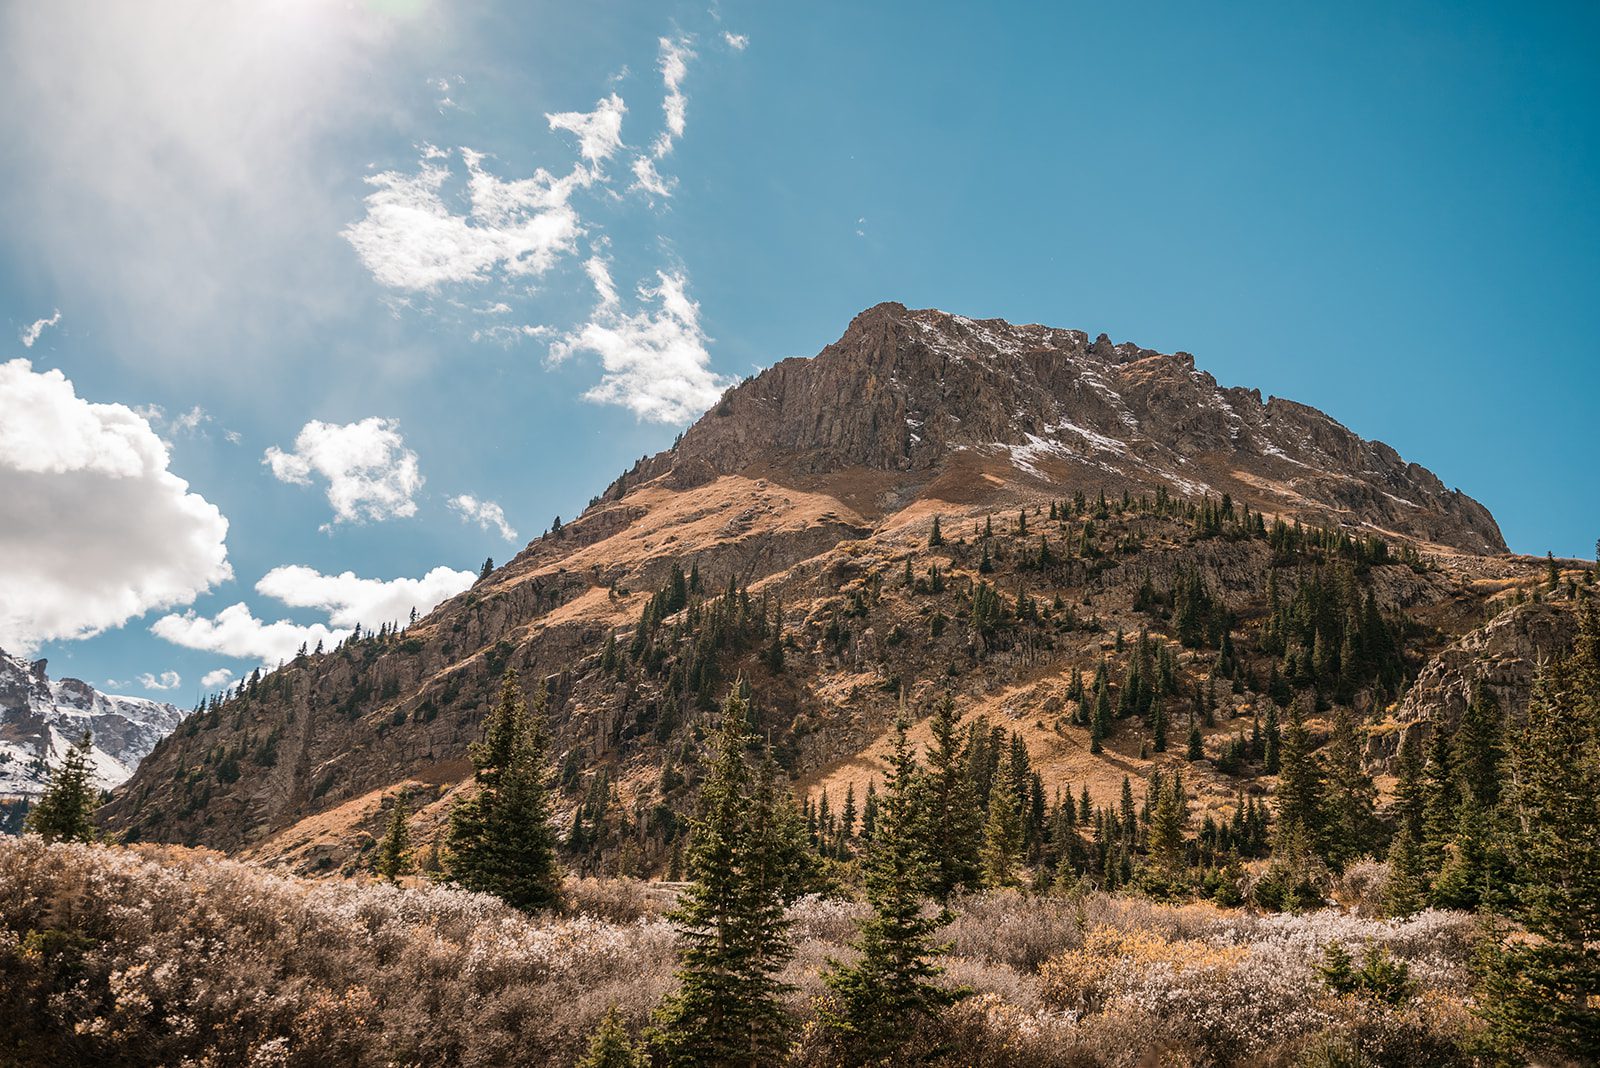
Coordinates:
[611,1046]
[1381,977]
[65,811]
[879,1001]
[394,851]
[1543,992]
[500,840]
[950,820]
[745,858]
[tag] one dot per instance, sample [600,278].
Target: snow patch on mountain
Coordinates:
[41,719]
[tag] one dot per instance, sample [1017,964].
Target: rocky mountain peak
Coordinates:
[940,398]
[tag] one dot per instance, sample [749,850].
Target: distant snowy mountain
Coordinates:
[40,720]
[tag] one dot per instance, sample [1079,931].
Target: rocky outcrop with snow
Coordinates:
[41,719]
[928,394]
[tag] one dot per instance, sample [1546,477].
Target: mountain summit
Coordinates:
[944,400]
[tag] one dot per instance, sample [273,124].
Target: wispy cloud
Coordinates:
[654,361]
[599,131]
[32,332]
[674,66]
[411,239]
[736,41]
[370,472]
[487,514]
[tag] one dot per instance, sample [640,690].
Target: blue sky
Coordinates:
[356,227]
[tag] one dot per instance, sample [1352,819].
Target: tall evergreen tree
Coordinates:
[1474,860]
[394,851]
[1543,993]
[1002,834]
[1168,814]
[1406,891]
[65,811]
[1349,826]
[949,818]
[501,840]
[1299,792]
[880,999]
[727,1011]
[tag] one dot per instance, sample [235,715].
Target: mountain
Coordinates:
[40,720]
[1085,491]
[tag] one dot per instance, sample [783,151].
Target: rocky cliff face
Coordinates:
[811,489]
[910,391]
[41,719]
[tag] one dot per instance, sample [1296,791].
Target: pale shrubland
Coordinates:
[159,956]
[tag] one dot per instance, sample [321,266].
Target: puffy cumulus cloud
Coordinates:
[370,472]
[599,131]
[487,514]
[211,680]
[167,680]
[349,599]
[346,599]
[97,530]
[235,632]
[31,333]
[654,361]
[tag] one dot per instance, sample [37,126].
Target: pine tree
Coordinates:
[1349,798]
[1543,993]
[394,851]
[950,820]
[1474,861]
[611,1046]
[879,1000]
[500,839]
[65,811]
[1272,740]
[1002,834]
[1158,727]
[1167,818]
[1197,743]
[1300,788]
[487,569]
[742,860]
[935,538]
[1406,891]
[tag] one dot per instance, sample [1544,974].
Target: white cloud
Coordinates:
[349,600]
[370,472]
[674,66]
[599,131]
[211,680]
[736,41]
[97,530]
[235,632]
[649,180]
[167,680]
[177,134]
[486,514]
[31,334]
[412,239]
[346,598]
[654,362]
